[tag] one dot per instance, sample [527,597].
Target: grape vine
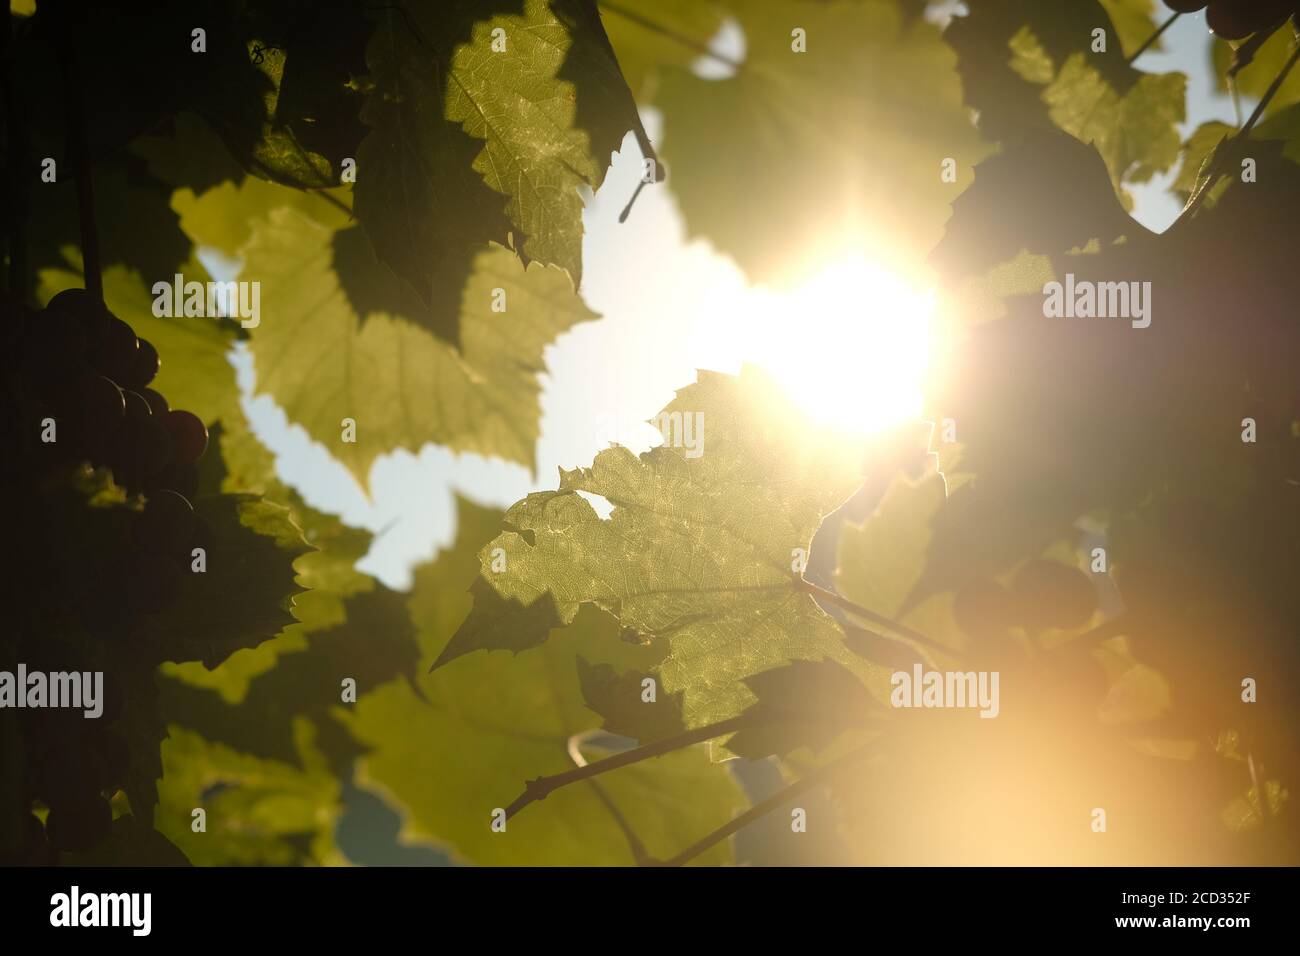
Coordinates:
[1068,588]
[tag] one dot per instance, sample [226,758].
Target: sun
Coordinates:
[851,345]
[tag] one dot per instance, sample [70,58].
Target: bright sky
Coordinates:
[670,307]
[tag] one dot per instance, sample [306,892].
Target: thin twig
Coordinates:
[1153,38]
[622,217]
[774,802]
[542,787]
[639,854]
[1221,156]
[1244,55]
[334,201]
[859,611]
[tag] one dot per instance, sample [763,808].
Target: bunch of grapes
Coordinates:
[85,370]
[1238,19]
[77,406]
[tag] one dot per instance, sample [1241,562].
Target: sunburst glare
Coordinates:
[851,345]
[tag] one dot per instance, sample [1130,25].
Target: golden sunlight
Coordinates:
[851,345]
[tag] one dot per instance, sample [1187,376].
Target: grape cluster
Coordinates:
[87,371]
[1238,19]
[77,405]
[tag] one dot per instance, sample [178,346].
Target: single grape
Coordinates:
[101,409]
[189,434]
[71,300]
[1186,6]
[1236,20]
[82,306]
[146,364]
[157,404]
[154,451]
[126,447]
[116,355]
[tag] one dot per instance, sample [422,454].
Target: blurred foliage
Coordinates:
[420,297]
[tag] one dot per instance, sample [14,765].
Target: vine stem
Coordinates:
[1239,137]
[79,157]
[776,801]
[542,787]
[328,197]
[858,610]
[1146,44]
[640,856]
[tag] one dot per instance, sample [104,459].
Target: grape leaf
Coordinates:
[1200,146]
[373,646]
[650,35]
[186,153]
[500,721]
[401,386]
[803,704]
[305,122]
[1006,49]
[619,698]
[263,144]
[1283,125]
[1001,214]
[259,812]
[1254,79]
[882,560]
[236,462]
[697,550]
[1136,133]
[224,216]
[1134,22]
[802,133]
[486,120]
[254,544]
